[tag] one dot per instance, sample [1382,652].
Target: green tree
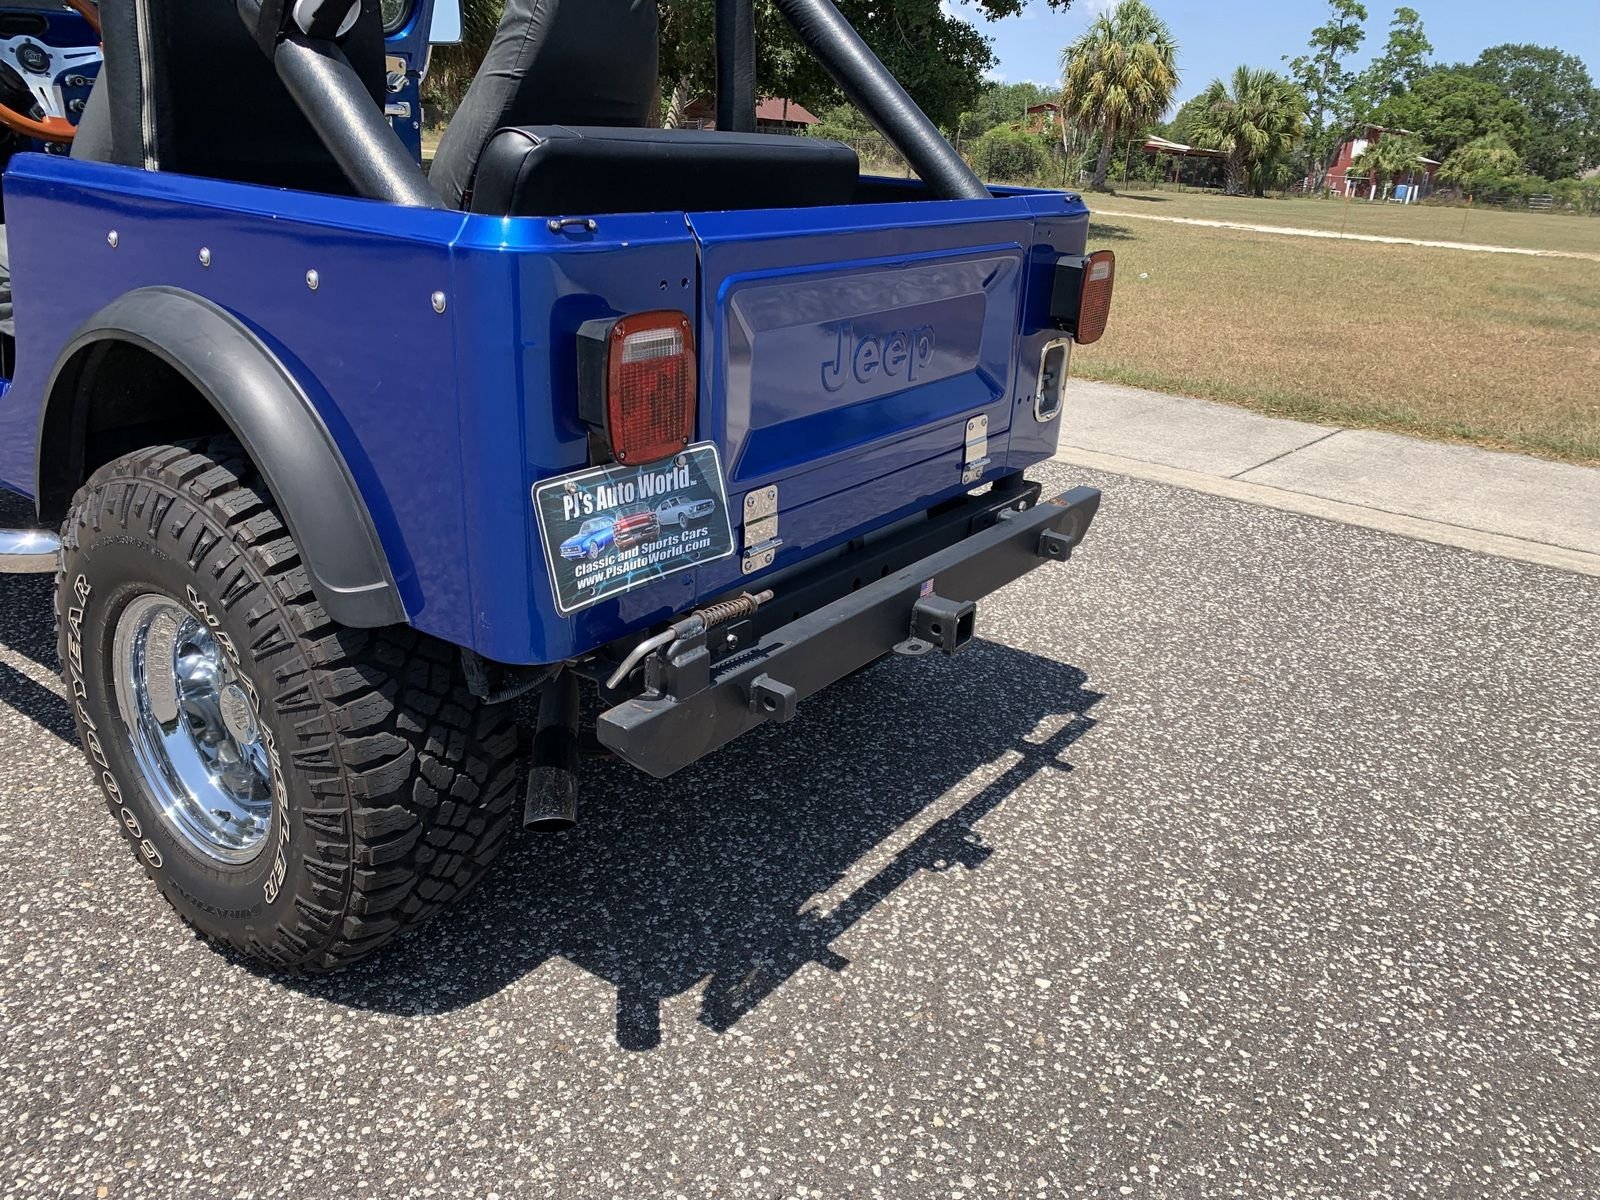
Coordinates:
[1328,84]
[1120,74]
[1010,155]
[1255,122]
[1387,159]
[1450,107]
[1001,104]
[939,58]
[1481,164]
[1560,99]
[1181,127]
[1402,63]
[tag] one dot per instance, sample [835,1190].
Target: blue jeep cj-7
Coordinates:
[313,436]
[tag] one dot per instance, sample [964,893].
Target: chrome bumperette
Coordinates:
[28,551]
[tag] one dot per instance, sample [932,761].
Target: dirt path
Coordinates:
[1291,231]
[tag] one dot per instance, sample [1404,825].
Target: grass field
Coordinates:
[1480,226]
[1499,350]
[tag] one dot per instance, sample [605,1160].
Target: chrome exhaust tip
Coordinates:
[551,801]
[28,551]
[551,805]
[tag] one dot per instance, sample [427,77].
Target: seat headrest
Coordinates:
[554,62]
[559,170]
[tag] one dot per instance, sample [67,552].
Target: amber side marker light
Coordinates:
[1080,302]
[637,384]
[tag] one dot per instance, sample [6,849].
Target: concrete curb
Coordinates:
[1416,528]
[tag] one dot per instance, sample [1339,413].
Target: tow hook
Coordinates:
[694,626]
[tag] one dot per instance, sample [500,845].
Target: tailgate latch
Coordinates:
[976,459]
[761,540]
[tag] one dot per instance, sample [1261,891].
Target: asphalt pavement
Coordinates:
[1250,854]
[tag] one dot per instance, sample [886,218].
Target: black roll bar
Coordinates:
[736,66]
[881,99]
[332,97]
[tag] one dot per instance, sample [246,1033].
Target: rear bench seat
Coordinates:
[554,170]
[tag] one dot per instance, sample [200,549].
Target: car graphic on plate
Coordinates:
[636,526]
[592,540]
[680,510]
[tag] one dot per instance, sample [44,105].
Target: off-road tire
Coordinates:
[397,785]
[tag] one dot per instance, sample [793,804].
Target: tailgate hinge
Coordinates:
[976,459]
[761,540]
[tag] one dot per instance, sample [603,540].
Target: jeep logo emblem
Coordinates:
[900,354]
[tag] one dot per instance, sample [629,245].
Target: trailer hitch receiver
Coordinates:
[940,624]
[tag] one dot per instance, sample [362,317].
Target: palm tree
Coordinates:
[1489,156]
[1386,159]
[1121,73]
[1255,123]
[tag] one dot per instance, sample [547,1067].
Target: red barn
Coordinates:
[1042,118]
[773,115]
[1346,182]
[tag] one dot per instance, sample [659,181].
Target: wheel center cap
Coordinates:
[237,715]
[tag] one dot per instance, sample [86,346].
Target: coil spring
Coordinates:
[733,610]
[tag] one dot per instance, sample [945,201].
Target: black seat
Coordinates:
[553,62]
[191,92]
[552,170]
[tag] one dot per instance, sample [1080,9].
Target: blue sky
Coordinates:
[1216,37]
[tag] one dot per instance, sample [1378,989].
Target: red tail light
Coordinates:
[637,384]
[1081,301]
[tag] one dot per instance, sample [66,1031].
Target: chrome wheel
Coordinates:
[193,730]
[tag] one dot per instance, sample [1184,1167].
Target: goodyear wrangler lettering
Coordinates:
[81,591]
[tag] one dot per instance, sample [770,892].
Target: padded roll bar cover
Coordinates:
[267,409]
[736,66]
[555,170]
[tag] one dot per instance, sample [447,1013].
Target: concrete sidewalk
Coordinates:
[1505,504]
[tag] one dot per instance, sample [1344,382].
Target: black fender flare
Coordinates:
[267,409]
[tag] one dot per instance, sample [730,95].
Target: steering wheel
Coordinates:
[28,103]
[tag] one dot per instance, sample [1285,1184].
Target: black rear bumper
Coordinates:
[922,597]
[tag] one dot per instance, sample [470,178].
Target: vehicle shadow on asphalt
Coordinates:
[27,606]
[712,877]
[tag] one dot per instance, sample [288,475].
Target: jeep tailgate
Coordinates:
[845,350]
